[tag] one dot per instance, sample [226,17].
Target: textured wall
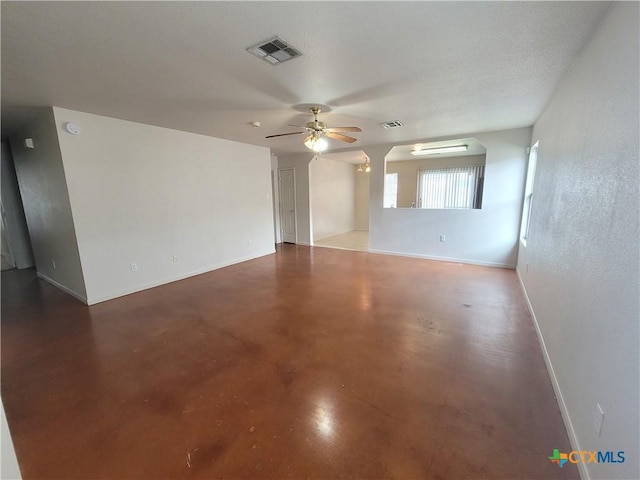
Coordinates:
[362,200]
[16,222]
[143,194]
[488,236]
[332,190]
[580,264]
[43,187]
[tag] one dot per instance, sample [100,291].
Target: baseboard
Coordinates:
[211,268]
[339,248]
[445,259]
[573,439]
[74,294]
[306,244]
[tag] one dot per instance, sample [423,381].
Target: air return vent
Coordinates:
[391,124]
[274,51]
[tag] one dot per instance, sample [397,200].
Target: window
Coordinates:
[456,187]
[528,193]
[390,190]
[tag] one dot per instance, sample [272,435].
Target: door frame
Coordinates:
[280,196]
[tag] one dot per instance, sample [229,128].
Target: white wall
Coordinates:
[143,194]
[43,186]
[580,265]
[9,469]
[332,192]
[362,200]
[16,223]
[488,236]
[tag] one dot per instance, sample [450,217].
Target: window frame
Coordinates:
[529,188]
[386,190]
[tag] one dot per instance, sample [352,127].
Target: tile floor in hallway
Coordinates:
[354,240]
[308,363]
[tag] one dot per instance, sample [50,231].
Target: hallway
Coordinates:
[308,363]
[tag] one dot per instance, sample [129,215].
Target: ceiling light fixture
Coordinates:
[365,167]
[316,143]
[434,151]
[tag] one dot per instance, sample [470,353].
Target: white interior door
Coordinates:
[287,204]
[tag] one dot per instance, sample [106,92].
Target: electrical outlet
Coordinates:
[598,419]
[175,258]
[134,267]
[443,238]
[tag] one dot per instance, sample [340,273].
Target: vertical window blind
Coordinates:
[456,187]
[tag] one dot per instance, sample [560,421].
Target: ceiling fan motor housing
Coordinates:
[316,125]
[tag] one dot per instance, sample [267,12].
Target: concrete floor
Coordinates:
[309,363]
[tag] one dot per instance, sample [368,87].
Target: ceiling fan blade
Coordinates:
[344,129]
[339,136]
[283,134]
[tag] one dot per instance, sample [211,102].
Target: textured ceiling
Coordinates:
[403,152]
[442,68]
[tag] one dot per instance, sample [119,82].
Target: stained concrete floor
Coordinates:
[309,363]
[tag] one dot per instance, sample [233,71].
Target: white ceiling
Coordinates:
[442,68]
[354,157]
[403,152]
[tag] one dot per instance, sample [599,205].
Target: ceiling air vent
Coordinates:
[274,51]
[391,124]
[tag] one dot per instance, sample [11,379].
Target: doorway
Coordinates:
[286,177]
[339,197]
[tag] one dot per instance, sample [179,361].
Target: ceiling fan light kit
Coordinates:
[317,131]
[316,143]
[435,151]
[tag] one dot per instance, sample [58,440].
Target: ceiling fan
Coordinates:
[318,130]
